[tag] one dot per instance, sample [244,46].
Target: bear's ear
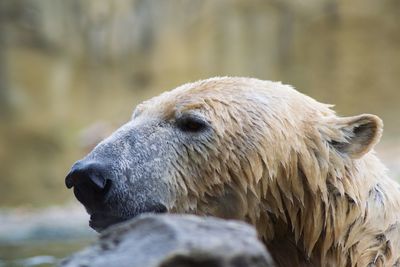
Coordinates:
[360,134]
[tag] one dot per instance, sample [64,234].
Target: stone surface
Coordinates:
[175,241]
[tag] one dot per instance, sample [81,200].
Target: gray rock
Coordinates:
[175,241]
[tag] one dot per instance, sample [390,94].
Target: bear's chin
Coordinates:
[100,221]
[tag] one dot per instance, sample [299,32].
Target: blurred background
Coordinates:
[72,71]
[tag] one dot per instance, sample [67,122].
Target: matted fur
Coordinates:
[271,160]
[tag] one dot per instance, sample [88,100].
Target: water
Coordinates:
[39,253]
[40,237]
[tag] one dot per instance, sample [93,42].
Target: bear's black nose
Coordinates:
[90,182]
[87,172]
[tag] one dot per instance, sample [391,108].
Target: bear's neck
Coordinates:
[322,223]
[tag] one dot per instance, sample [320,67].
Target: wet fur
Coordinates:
[307,179]
[273,161]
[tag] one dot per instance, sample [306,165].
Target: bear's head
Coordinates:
[228,147]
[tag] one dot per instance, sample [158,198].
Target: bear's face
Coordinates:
[208,148]
[154,163]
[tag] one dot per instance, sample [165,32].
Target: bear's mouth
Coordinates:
[101,221]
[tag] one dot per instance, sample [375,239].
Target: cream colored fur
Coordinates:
[307,179]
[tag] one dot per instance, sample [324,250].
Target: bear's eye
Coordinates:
[191,124]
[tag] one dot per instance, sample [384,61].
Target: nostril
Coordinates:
[98,180]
